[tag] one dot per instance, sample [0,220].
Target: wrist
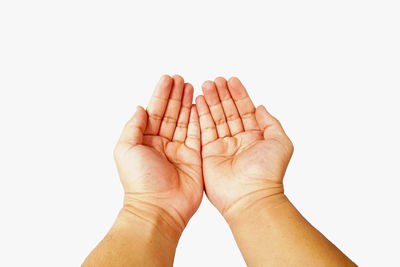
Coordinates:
[151,219]
[249,207]
[138,236]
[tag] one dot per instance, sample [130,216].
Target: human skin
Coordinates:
[245,154]
[159,164]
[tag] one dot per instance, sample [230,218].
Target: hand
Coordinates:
[158,156]
[245,150]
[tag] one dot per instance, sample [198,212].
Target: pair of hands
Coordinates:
[171,152]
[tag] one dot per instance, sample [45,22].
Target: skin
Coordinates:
[159,164]
[243,159]
[245,154]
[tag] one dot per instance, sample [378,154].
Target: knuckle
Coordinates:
[220,121]
[193,136]
[247,115]
[155,117]
[208,129]
[182,124]
[168,119]
[232,117]
[204,114]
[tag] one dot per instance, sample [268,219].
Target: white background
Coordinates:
[72,73]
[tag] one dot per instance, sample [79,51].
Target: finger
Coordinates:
[193,133]
[183,120]
[157,105]
[243,104]
[229,107]
[270,126]
[207,126]
[133,131]
[217,112]
[170,118]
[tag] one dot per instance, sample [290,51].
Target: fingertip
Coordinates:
[140,113]
[133,131]
[165,79]
[163,87]
[264,118]
[261,113]
[177,87]
[139,107]
[207,85]
[165,76]
[261,108]
[236,88]
[188,90]
[220,81]
[222,88]
[187,95]
[178,78]
[234,80]
[219,78]
[188,86]
[199,99]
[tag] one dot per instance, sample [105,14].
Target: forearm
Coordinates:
[271,232]
[138,238]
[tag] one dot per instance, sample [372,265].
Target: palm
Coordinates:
[239,158]
[167,170]
[164,167]
[243,163]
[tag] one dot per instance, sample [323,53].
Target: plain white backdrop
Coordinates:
[72,73]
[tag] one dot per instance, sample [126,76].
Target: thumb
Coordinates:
[132,133]
[271,127]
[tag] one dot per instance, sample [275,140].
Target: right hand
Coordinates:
[245,151]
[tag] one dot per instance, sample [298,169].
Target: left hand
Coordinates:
[158,156]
